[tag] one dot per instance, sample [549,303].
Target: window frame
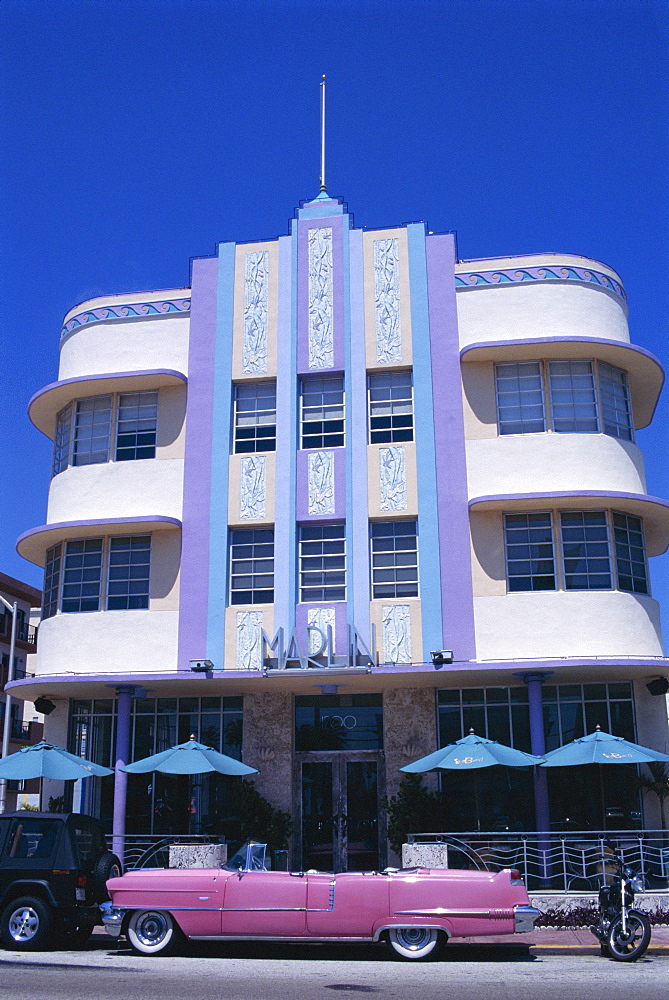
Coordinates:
[234,559]
[608,405]
[394,567]
[324,433]
[66,434]
[307,594]
[619,551]
[267,443]
[394,432]
[56,568]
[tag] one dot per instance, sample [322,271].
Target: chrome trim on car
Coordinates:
[524,917]
[112,918]
[440,911]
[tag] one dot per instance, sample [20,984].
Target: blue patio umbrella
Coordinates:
[470,753]
[601,748]
[44,760]
[189,758]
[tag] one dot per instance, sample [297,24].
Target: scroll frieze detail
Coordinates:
[249,640]
[387,301]
[392,479]
[256,295]
[320,618]
[321,299]
[252,491]
[396,620]
[321,484]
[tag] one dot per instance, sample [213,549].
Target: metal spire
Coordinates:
[323,187]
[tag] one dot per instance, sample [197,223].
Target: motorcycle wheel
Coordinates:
[631,945]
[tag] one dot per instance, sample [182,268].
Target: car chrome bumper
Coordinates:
[524,917]
[112,918]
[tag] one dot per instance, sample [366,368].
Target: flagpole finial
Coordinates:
[323,187]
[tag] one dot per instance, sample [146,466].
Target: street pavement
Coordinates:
[571,940]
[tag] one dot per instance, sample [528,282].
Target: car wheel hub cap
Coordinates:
[23,924]
[414,937]
[152,929]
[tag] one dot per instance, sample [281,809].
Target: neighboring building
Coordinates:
[23,732]
[276,493]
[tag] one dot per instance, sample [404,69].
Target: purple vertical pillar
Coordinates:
[538,743]
[123,710]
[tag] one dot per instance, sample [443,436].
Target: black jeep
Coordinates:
[53,873]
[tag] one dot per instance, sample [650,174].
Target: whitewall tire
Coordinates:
[413,943]
[152,932]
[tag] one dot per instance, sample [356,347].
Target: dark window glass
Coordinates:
[394,559]
[82,572]
[252,566]
[530,562]
[128,572]
[136,425]
[630,553]
[51,582]
[322,562]
[338,722]
[585,550]
[615,402]
[255,417]
[391,407]
[323,412]
[62,440]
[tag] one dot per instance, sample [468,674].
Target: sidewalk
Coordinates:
[576,940]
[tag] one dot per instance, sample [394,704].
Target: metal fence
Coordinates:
[152,850]
[574,861]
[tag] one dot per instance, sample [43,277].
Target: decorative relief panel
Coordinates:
[256,292]
[392,478]
[396,620]
[321,299]
[249,640]
[321,482]
[252,487]
[387,301]
[320,618]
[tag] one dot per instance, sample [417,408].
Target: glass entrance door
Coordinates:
[340,827]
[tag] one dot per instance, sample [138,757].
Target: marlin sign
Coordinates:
[316,650]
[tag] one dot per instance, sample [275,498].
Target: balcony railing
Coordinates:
[20,730]
[574,861]
[24,633]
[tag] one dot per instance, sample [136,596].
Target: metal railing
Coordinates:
[20,730]
[152,850]
[574,861]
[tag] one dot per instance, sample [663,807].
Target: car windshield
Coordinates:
[249,857]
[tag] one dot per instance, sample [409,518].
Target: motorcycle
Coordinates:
[623,932]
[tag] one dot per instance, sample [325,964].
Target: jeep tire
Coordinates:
[26,924]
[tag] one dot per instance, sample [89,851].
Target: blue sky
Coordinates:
[139,133]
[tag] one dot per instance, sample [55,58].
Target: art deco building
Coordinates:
[343,499]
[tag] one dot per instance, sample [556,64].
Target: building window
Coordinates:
[322,562]
[573,397]
[255,417]
[585,550]
[616,405]
[82,571]
[322,401]
[394,559]
[584,559]
[83,429]
[630,553]
[252,566]
[75,570]
[530,562]
[520,398]
[128,572]
[390,408]
[585,397]
[51,581]
[136,425]
[92,424]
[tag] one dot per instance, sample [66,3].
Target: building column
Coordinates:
[534,682]
[123,714]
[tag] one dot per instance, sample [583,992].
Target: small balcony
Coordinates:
[26,635]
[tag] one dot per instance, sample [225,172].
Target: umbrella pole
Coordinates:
[476,799]
[600,768]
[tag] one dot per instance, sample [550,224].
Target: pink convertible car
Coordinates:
[414,910]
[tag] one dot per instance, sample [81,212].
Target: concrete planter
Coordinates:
[424,856]
[198,855]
